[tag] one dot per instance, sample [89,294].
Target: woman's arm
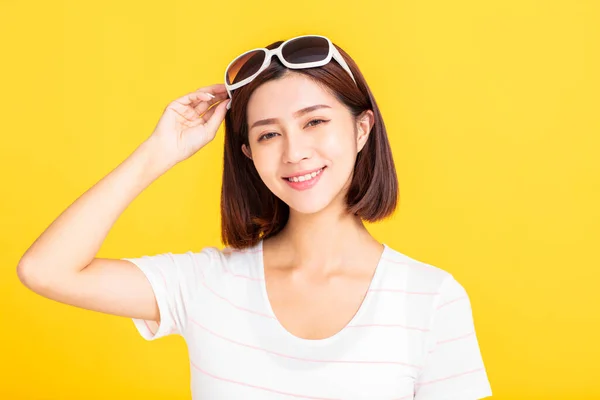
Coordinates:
[61,263]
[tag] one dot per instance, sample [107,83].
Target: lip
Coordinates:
[302,173]
[306,184]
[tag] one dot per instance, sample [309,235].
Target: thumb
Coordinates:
[215,120]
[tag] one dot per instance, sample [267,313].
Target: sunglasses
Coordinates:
[297,53]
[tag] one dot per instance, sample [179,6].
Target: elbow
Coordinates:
[29,275]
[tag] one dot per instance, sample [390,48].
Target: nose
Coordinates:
[297,146]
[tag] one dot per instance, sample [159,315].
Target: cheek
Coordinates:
[339,143]
[266,166]
[261,167]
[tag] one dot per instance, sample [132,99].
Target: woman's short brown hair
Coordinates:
[250,211]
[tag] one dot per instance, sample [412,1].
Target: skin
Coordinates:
[319,267]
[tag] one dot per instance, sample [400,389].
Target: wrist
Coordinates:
[155,157]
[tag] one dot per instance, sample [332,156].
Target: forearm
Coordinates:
[72,241]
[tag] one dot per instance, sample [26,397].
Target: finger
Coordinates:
[203,106]
[218,114]
[194,98]
[185,112]
[199,97]
[203,118]
[185,105]
[214,89]
[208,114]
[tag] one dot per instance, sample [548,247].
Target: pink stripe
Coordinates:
[228,250]
[259,387]
[203,280]
[449,377]
[250,278]
[457,338]
[388,326]
[274,318]
[299,358]
[452,301]
[451,340]
[172,330]
[350,326]
[148,327]
[234,305]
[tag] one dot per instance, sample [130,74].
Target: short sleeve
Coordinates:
[453,368]
[174,279]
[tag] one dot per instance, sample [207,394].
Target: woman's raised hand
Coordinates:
[190,122]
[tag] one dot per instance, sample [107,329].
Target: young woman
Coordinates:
[303,302]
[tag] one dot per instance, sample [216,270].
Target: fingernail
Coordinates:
[212,96]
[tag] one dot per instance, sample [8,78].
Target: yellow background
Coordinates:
[492,109]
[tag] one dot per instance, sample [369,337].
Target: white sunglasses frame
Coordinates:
[332,53]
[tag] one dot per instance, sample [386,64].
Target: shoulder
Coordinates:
[428,286]
[414,275]
[424,289]
[233,263]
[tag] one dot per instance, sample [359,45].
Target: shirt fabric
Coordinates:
[413,336]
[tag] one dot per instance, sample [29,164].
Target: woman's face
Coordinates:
[296,127]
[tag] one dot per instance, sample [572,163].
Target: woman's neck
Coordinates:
[326,242]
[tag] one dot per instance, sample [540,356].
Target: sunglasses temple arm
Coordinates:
[338,57]
[228,96]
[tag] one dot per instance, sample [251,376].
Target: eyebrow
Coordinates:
[297,114]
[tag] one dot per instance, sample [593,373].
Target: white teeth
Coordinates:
[305,177]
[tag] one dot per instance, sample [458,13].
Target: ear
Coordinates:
[246,151]
[364,124]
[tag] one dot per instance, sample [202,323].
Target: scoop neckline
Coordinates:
[316,342]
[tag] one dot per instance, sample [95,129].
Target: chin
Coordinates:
[311,204]
[307,207]
[310,201]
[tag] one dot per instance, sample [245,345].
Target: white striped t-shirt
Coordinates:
[413,337]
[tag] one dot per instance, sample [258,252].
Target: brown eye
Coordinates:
[266,135]
[316,120]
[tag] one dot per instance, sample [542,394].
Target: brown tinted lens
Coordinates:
[305,50]
[245,66]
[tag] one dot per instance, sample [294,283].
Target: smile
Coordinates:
[306,177]
[306,181]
